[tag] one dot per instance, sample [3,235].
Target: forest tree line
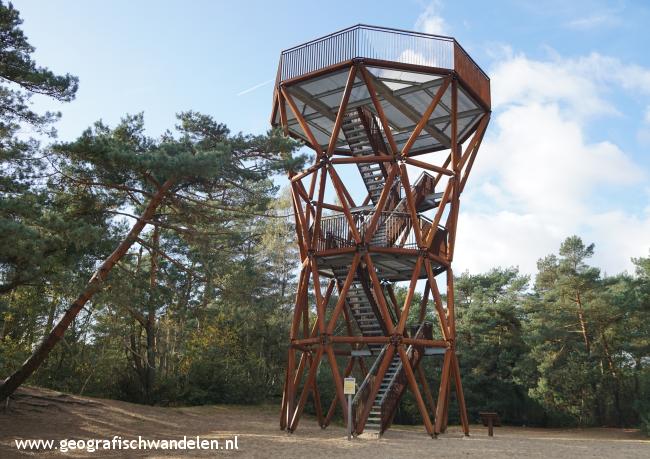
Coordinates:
[162,270]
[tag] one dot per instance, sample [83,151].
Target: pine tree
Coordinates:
[32,240]
[185,183]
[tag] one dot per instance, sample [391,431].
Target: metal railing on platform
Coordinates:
[363,41]
[394,229]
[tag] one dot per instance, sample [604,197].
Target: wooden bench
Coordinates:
[490,420]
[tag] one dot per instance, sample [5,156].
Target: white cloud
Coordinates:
[517,79]
[643,133]
[611,70]
[619,236]
[594,21]
[538,177]
[430,21]
[490,238]
[542,161]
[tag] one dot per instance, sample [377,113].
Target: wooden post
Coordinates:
[409,296]
[460,396]
[427,391]
[305,390]
[338,382]
[442,393]
[342,294]
[414,389]
[341,113]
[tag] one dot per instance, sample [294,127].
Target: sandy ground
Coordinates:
[42,414]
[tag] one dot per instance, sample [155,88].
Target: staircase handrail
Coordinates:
[368,377]
[409,351]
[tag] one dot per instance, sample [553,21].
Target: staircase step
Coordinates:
[358,304]
[368,174]
[370,167]
[353,135]
[358,141]
[355,129]
[357,298]
[363,314]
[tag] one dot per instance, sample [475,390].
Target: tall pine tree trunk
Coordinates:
[617,380]
[150,329]
[583,324]
[150,370]
[95,283]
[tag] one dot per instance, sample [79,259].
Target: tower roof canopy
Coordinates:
[406,70]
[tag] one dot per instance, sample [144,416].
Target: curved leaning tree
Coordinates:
[404,113]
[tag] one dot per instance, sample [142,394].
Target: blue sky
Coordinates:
[566,151]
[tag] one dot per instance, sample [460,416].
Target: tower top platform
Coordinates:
[405,68]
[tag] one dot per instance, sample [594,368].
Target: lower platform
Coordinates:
[391,267]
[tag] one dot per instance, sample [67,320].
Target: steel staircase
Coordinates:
[380,238]
[374,422]
[361,308]
[362,133]
[364,138]
[358,133]
[391,387]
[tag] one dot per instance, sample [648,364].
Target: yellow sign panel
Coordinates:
[349,386]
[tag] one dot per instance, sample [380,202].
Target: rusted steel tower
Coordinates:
[390,105]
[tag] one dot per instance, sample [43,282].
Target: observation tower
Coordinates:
[395,119]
